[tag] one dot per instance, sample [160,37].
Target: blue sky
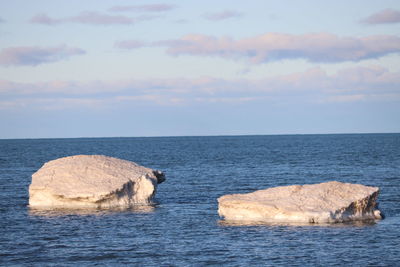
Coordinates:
[161,68]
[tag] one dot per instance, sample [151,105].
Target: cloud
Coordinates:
[345,98]
[130,44]
[227,14]
[2,20]
[181,21]
[314,47]
[143,8]
[33,55]
[311,86]
[92,18]
[44,19]
[101,19]
[383,17]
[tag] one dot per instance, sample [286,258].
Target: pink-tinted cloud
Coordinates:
[143,8]
[92,18]
[314,47]
[33,55]
[383,17]
[313,85]
[227,14]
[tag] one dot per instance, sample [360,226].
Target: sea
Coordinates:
[182,227]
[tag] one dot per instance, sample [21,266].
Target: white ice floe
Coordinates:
[92,181]
[328,202]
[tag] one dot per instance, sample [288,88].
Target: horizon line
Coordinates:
[211,135]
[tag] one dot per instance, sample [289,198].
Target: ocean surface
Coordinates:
[183,228]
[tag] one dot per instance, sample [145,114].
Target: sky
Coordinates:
[175,68]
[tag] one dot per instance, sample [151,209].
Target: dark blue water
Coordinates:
[183,228]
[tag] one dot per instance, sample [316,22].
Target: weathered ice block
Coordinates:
[328,202]
[92,181]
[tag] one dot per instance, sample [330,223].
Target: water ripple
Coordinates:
[183,228]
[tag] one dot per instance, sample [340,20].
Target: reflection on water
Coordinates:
[365,223]
[55,212]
